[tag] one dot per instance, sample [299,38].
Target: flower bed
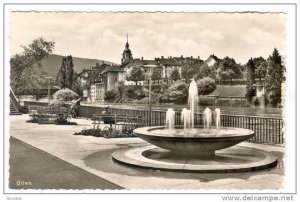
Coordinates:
[107,133]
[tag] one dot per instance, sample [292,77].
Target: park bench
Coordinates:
[118,120]
[42,115]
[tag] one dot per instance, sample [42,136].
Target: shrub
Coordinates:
[110,95]
[24,109]
[207,101]
[178,92]
[65,94]
[107,133]
[135,92]
[255,101]
[206,85]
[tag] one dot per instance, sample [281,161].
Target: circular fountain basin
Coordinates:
[198,141]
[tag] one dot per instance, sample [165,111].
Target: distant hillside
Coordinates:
[52,63]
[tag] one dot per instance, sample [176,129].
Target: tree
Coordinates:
[136,74]
[190,68]
[206,85]
[228,69]
[261,66]
[22,75]
[174,76]
[156,75]
[77,86]
[274,78]
[250,92]
[65,95]
[66,75]
[178,92]
[207,71]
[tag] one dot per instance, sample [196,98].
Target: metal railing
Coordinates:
[14,100]
[267,129]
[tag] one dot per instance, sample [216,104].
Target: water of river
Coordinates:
[249,111]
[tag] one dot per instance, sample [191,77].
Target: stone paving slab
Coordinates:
[60,142]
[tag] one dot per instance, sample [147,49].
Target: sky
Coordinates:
[103,35]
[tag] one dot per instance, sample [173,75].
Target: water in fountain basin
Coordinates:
[170,119]
[218,118]
[186,118]
[193,99]
[207,118]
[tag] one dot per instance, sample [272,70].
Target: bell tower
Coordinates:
[126,55]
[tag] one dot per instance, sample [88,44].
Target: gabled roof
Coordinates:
[139,62]
[168,61]
[114,68]
[212,57]
[94,70]
[229,91]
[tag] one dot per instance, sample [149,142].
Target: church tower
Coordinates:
[126,55]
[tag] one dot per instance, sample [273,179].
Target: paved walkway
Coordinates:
[31,168]
[94,155]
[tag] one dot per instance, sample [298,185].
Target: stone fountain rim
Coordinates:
[146,131]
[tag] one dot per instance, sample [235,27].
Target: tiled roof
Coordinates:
[168,61]
[114,68]
[229,91]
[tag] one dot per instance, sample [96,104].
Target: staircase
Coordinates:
[14,104]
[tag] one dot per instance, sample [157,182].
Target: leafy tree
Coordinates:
[65,94]
[174,76]
[136,74]
[22,75]
[190,68]
[110,95]
[178,92]
[121,89]
[206,85]
[261,66]
[77,86]
[274,78]
[207,71]
[156,75]
[250,92]
[66,75]
[228,69]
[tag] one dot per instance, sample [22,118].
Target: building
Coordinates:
[211,60]
[168,65]
[111,76]
[93,84]
[126,55]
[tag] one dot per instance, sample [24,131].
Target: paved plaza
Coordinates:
[93,154]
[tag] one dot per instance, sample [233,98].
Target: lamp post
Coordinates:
[150,67]
[48,78]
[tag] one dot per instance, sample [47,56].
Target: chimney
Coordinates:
[198,57]
[162,57]
[170,57]
[142,58]
[181,56]
[191,57]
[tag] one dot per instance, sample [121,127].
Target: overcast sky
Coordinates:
[103,35]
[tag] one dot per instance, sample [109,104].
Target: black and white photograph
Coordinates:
[162,100]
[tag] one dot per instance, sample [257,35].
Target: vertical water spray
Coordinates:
[186,118]
[193,100]
[207,118]
[170,119]
[218,118]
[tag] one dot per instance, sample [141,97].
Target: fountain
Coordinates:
[170,119]
[186,117]
[207,119]
[217,118]
[193,100]
[194,147]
